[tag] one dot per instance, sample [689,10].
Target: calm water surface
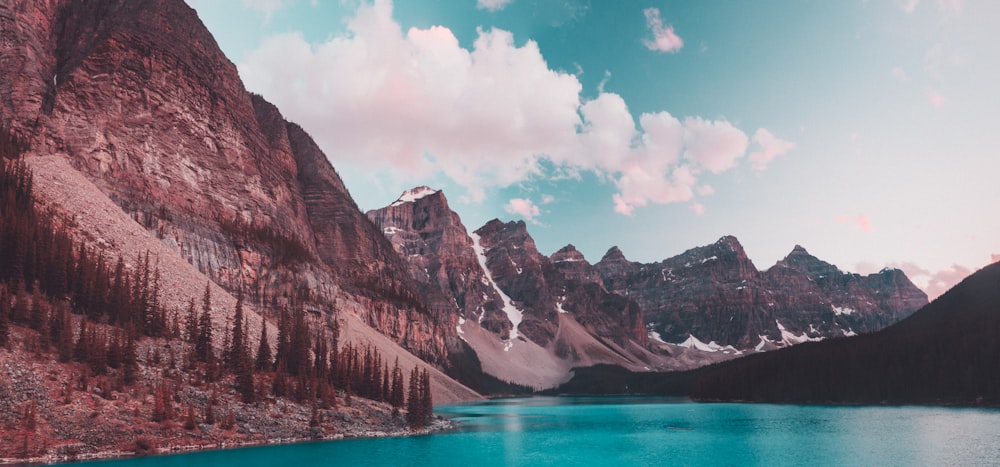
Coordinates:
[561,431]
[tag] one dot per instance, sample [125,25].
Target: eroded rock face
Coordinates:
[574,266]
[835,301]
[440,257]
[140,99]
[715,293]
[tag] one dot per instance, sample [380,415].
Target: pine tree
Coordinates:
[263,361]
[64,343]
[118,300]
[384,396]
[396,397]
[413,401]
[203,345]
[191,322]
[427,402]
[237,352]
[130,363]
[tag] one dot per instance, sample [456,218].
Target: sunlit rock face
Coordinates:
[138,96]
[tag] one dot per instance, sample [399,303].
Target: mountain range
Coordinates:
[143,141]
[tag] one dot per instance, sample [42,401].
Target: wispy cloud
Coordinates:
[492,5]
[861,221]
[768,147]
[664,37]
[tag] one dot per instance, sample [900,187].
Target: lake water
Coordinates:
[564,431]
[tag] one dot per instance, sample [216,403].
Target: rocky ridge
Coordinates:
[496,281]
[713,296]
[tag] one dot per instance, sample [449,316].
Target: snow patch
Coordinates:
[410,196]
[461,333]
[710,258]
[694,343]
[789,338]
[513,314]
[841,311]
[559,305]
[763,341]
[656,337]
[389,231]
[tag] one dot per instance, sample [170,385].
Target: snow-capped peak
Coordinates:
[410,196]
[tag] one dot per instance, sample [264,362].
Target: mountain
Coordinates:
[527,319]
[945,353]
[138,98]
[713,297]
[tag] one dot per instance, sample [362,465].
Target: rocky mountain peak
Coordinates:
[800,260]
[614,254]
[574,266]
[568,253]
[731,242]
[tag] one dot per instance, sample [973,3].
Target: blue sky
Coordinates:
[863,130]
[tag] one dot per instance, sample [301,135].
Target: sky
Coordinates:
[864,131]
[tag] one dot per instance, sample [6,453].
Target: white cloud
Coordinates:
[664,38]
[417,105]
[524,208]
[492,5]
[548,199]
[715,145]
[768,147]
[862,221]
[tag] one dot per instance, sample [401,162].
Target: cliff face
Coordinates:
[140,99]
[716,294]
[548,313]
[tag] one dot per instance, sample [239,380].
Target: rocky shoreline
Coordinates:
[438,425]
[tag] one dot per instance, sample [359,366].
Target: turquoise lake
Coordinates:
[572,431]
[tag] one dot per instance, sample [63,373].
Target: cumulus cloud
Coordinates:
[664,38]
[715,146]
[492,5]
[416,104]
[524,208]
[768,147]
